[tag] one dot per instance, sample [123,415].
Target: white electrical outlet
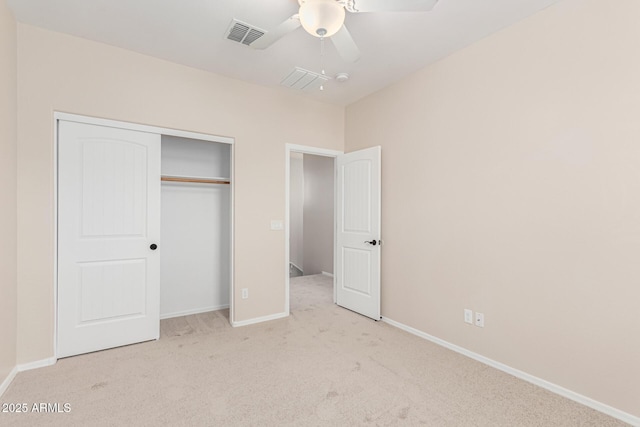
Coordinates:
[468,316]
[480,319]
[277,224]
[245,293]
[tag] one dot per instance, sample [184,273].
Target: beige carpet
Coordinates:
[323,365]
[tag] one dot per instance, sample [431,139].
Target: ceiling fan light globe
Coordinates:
[321,18]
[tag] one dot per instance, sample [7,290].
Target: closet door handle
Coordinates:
[153,247]
[372,243]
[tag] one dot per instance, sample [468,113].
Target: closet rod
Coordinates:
[198,180]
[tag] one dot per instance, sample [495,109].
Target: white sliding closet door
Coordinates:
[108,229]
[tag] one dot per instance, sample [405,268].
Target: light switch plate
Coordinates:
[468,316]
[276,224]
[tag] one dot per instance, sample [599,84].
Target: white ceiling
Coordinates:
[191,32]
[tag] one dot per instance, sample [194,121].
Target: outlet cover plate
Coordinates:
[480,319]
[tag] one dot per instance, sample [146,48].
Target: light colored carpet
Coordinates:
[323,365]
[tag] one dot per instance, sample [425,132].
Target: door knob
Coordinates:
[372,242]
[153,247]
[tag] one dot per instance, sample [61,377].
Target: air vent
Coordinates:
[303,79]
[242,32]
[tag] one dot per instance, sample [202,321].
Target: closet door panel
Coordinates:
[109,215]
[114,188]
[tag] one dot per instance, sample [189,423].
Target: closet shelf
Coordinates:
[194,179]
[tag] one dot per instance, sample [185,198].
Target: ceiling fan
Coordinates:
[325,19]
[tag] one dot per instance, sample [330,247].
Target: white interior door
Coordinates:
[358,232]
[108,220]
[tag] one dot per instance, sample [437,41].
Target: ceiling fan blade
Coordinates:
[390,5]
[277,33]
[345,45]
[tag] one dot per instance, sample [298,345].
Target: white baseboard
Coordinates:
[259,319]
[7,381]
[193,311]
[299,269]
[24,367]
[37,364]
[584,400]
[327,274]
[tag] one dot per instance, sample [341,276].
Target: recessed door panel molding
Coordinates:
[358,232]
[108,220]
[356,273]
[112,289]
[357,196]
[114,177]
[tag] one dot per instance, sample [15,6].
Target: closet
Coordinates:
[195,226]
[144,230]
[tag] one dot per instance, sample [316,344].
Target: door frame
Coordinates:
[303,149]
[57,116]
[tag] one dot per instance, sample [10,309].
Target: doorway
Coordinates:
[311,211]
[356,228]
[310,216]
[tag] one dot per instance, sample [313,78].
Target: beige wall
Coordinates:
[63,73]
[511,186]
[8,186]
